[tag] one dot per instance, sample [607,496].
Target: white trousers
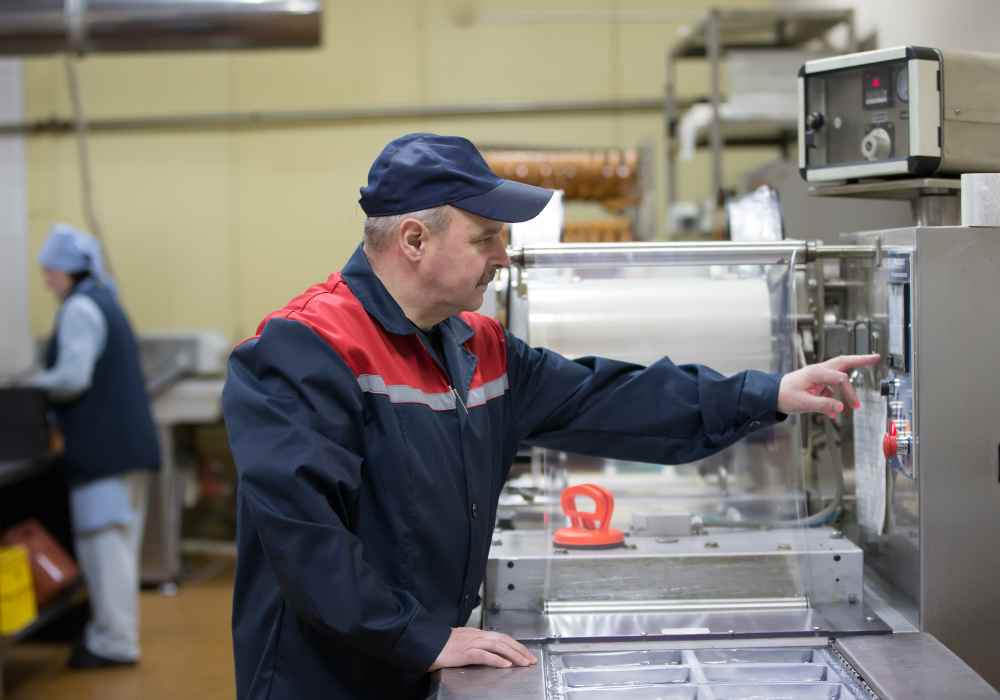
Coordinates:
[109,559]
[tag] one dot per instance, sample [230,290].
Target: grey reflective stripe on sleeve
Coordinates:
[489,390]
[443,401]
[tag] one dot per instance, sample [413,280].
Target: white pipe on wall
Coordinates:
[15,331]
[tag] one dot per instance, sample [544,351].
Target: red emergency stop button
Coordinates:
[890,443]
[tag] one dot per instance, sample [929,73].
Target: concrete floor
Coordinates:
[186,653]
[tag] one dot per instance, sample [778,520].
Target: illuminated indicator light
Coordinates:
[876,83]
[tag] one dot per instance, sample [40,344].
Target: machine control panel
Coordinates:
[897,444]
[899,440]
[845,124]
[882,114]
[902,111]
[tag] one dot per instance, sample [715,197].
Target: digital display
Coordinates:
[877,82]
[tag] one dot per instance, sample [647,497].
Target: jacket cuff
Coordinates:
[759,400]
[421,642]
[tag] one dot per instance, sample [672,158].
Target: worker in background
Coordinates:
[98,395]
[374,420]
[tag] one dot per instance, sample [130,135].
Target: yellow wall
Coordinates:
[214,228]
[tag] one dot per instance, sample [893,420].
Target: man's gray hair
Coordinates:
[380,229]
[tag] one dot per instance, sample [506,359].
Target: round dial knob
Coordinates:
[877,145]
[815,121]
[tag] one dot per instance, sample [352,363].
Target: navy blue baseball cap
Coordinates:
[422,171]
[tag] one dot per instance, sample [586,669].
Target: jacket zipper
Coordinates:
[447,379]
[459,398]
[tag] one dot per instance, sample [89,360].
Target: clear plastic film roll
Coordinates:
[723,322]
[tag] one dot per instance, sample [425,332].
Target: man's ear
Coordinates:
[412,238]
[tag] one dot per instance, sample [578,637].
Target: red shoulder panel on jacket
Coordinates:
[489,345]
[334,313]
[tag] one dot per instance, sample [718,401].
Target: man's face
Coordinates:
[462,260]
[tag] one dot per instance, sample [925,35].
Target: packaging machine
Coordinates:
[817,559]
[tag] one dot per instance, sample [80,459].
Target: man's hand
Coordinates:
[811,389]
[468,646]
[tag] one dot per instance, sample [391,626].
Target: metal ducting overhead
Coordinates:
[89,26]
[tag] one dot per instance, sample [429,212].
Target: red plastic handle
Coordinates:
[604,506]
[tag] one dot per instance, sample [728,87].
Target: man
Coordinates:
[98,393]
[374,420]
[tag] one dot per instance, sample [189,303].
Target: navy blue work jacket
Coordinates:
[369,473]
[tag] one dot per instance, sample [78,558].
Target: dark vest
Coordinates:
[108,430]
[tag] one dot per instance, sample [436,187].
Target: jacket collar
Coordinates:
[379,304]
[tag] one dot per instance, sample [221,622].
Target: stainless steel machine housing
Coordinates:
[932,296]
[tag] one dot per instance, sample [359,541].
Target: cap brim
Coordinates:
[510,202]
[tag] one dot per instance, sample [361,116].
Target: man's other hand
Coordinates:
[468,646]
[814,389]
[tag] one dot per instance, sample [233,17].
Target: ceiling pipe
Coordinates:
[324,117]
[30,27]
